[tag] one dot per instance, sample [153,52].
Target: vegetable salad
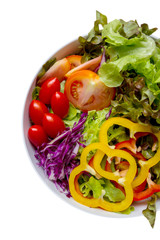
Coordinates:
[95,118]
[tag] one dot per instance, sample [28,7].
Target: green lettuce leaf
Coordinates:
[93,187]
[135,101]
[128,57]
[112,193]
[91,46]
[109,74]
[91,127]
[146,30]
[146,69]
[35,93]
[155,170]
[72,117]
[117,134]
[95,31]
[150,211]
[119,32]
[93,124]
[128,210]
[157,42]
[130,29]
[62,86]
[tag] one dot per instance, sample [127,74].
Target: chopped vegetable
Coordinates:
[52,124]
[37,135]
[95,186]
[89,65]
[57,157]
[152,188]
[60,104]
[37,110]
[101,202]
[48,88]
[86,92]
[58,69]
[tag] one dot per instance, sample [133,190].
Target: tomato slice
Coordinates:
[74,60]
[59,69]
[89,65]
[86,92]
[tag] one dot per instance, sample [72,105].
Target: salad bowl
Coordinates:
[67,50]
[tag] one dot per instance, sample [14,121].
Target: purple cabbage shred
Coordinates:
[109,113]
[58,157]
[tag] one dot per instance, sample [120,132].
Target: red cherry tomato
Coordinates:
[60,104]
[86,92]
[37,135]
[37,110]
[49,87]
[53,124]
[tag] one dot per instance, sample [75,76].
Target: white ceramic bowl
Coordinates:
[66,50]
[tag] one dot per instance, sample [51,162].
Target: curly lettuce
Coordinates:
[135,101]
[101,188]
[127,57]
[128,47]
[150,211]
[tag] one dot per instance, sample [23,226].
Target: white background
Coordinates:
[30,32]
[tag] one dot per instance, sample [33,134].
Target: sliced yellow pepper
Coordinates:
[128,182]
[125,182]
[133,127]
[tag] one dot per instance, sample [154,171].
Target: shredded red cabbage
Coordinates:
[109,113]
[57,157]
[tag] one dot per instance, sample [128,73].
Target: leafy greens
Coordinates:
[133,59]
[131,64]
[58,157]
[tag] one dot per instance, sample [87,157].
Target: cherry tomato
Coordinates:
[60,104]
[53,124]
[37,110]
[49,87]
[86,92]
[37,135]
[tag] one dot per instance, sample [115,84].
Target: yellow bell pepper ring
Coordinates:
[125,182]
[129,181]
[133,127]
[115,175]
